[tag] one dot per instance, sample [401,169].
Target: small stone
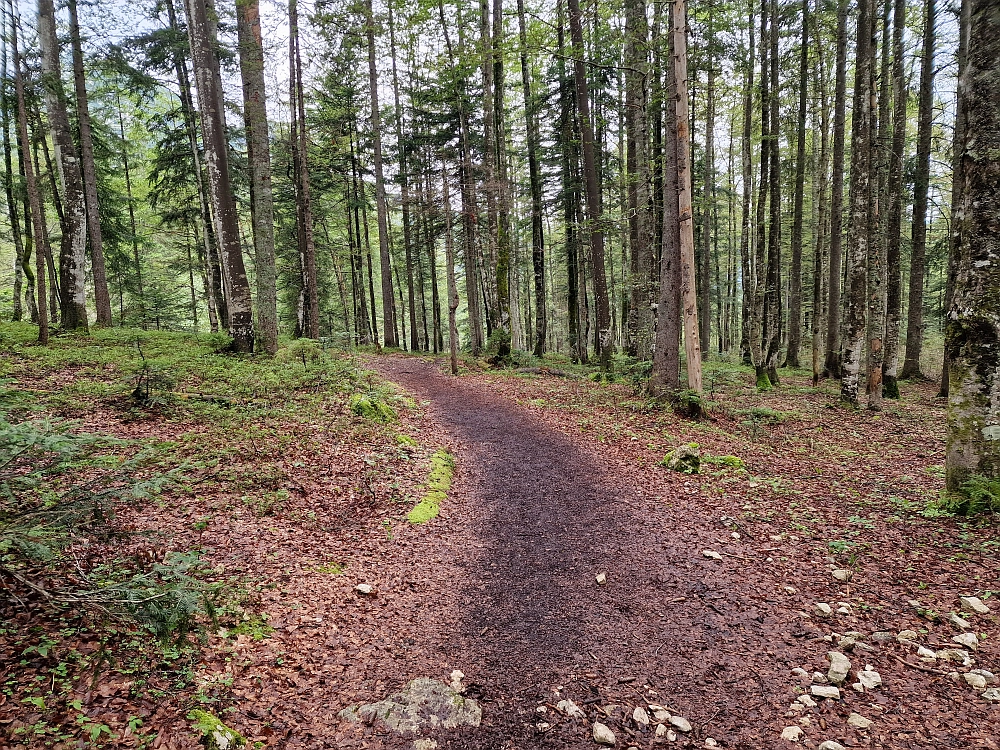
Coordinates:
[825,691]
[954,677]
[805,721]
[425,744]
[990,677]
[956,655]
[543,726]
[848,643]
[969,640]
[925,653]
[842,574]
[907,635]
[661,730]
[881,636]
[711,554]
[800,672]
[992,694]
[858,721]
[601,579]
[870,678]
[681,723]
[570,709]
[640,717]
[671,735]
[840,667]
[457,675]
[975,681]
[661,714]
[957,621]
[857,687]
[806,701]
[843,610]
[974,604]
[823,609]
[603,735]
[736,535]
[542,710]
[364,589]
[710,742]
[831,745]
[819,678]
[789,589]
[792,733]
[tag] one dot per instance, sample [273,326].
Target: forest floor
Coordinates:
[294,500]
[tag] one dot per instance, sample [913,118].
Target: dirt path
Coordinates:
[543,516]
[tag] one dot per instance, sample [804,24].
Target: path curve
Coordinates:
[544,514]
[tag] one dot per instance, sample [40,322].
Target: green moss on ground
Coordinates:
[214,734]
[370,406]
[438,484]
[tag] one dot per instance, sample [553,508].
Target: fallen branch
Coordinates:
[931,670]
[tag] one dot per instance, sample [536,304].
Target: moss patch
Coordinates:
[214,734]
[438,484]
[372,407]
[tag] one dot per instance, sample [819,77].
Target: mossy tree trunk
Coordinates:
[973,333]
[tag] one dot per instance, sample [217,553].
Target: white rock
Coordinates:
[364,589]
[969,640]
[842,574]
[957,621]
[661,714]
[542,710]
[907,635]
[825,691]
[711,554]
[671,735]
[819,678]
[805,721]
[681,723]
[425,744]
[956,655]
[857,687]
[601,579]
[570,709]
[974,604]
[831,745]
[976,681]
[661,730]
[840,667]
[823,609]
[800,672]
[792,734]
[843,610]
[870,678]
[789,589]
[457,675]
[603,735]
[925,653]
[859,721]
[806,701]
[710,742]
[640,717]
[992,694]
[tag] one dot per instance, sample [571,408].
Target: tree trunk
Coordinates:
[833,322]
[973,333]
[746,264]
[449,248]
[31,184]
[772,284]
[894,281]
[258,146]
[918,231]
[217,164]
[820,315]
[795,281]
[685,216]
[595,228]
[666,377]
[859,230]
[303,194]
[708,202]
[102,300]
[958,140]
[73,248]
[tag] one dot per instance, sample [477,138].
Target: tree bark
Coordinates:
[795,280]
[685,215]
[73,248]
[859,231]
[707,201]
[973,332]
[594,226]
[31,185]
[746,265]
[833,322]
[102,300]
[772,284]
[894,281]
[449,248]
[918,231]
[259,148]
[213,126]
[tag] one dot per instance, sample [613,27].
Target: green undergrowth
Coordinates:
[438,483]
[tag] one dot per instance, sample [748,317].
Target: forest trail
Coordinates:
[544,515]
